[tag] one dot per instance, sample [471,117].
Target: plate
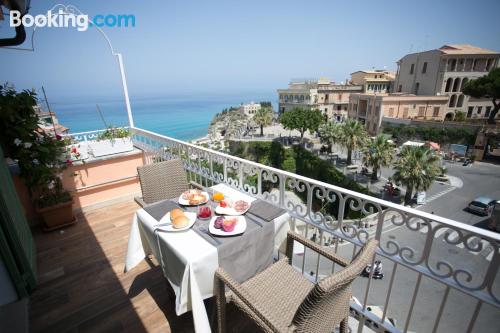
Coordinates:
[230,210]
[170,228]
[239,228]
[185,202]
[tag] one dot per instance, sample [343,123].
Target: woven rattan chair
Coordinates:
[281,299]
[162,180]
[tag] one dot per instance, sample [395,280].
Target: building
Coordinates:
[329,97]
[49,122]
[374,109]
[374,81]
[445,71]
[250,109]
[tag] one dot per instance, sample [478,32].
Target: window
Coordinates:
[417,86]
[469,111]
[400,88]
[391,112]
[326,97]
[421,111]
[435,112]
[487,112]
[340,97]
[424,68]
[479,109]
[412,68]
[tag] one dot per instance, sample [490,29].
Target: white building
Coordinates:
[250,109]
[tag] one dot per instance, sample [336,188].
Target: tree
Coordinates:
[416,169]
[352,136]
[486,87]
[263,117]
[301,120]
[378,153]
[459,116]
[329,134]
[266,104]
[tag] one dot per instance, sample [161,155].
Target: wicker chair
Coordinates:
[162,180]
[281,299]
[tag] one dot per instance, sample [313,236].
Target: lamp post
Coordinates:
[60,9]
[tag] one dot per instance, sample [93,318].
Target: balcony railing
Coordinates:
[86,136]
[410,240]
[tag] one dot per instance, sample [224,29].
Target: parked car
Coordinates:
[482,205]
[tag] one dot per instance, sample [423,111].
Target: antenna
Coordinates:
[411,48]
[50,111]
[102,117]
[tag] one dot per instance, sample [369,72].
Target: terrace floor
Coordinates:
[82,286]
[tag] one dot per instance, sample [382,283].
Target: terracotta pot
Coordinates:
[58,215]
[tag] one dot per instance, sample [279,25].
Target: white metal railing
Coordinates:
[410,240]
[86,136]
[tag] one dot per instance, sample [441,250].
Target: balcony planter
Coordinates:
[110,146]
[57,216]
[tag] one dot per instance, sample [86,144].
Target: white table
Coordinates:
[188,261]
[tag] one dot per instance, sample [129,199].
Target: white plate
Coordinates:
[185,202]
[170,228]
[239,228]
[230,210]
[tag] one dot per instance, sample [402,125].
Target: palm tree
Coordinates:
[330,134]
[416,169]
[378,153]
[262,118]
[352,136]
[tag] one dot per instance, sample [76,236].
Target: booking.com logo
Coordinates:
[61,19]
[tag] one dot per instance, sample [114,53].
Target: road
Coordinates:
[479,179]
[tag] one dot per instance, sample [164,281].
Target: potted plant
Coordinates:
[40,156]
[55,205]
[113,140]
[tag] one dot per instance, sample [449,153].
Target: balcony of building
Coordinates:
[440,275]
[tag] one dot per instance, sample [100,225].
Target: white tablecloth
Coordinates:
[188,261]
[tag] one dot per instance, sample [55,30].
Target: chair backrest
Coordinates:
[327,304]
[162,180]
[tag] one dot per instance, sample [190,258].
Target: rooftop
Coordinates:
[464,49]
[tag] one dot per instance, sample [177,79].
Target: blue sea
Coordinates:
[180,117]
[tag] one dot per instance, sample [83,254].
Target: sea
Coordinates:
[181,117]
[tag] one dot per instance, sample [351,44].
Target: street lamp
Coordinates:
[60,9]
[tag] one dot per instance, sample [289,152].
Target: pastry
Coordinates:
[176,212]
[180,222]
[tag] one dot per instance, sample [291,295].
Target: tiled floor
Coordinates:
[82,287]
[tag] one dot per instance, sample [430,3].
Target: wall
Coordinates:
[428,80]
[85,187]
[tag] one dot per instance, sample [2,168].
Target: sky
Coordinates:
[234,47]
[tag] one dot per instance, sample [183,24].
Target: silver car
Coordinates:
[481,205]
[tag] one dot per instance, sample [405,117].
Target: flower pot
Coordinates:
[57,216]
[110,146]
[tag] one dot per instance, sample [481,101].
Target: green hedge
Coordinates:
[444,135]
[302,162]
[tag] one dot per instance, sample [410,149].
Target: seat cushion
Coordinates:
[280,290]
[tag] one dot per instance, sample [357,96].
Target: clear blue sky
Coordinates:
[216,47]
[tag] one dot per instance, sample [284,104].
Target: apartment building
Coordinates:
[374,81]
[250,109]
[374,109]
[445,71]
[330,98]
